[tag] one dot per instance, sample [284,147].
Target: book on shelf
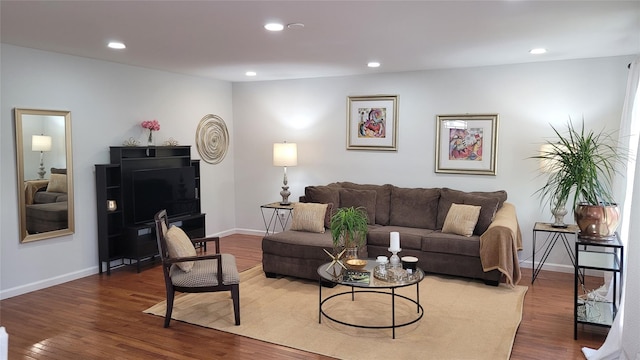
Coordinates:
[356,277]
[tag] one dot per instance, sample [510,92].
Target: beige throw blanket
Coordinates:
[499,245]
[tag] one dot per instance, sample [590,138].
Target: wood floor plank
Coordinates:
[100,317]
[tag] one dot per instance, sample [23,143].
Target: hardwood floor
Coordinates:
[100,317]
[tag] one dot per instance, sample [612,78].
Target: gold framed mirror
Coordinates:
[45,173]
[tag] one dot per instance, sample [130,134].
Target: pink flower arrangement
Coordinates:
[152,125]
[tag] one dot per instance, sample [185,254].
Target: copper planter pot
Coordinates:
[598,222]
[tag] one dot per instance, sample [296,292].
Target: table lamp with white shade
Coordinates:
[41,143]
[285,154]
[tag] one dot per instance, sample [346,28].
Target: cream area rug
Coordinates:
[463,319]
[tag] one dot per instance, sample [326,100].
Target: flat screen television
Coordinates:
[173,189]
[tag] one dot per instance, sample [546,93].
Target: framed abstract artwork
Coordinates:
[372,122]
[466,144]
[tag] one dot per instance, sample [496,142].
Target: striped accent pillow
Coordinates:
[309,217]
[461,219]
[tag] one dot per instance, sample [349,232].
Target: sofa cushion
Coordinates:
[328,194]
[179,245]
[309,217]
[298,244]
[414,207]
[410,238]
[489,206]
[383,197]
[57,183]
[45,197]
[360,198]
[461,219]
[327,215]
[439,242]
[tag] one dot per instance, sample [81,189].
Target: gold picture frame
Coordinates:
[372,122]
[466,144]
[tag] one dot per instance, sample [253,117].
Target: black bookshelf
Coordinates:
[120,240]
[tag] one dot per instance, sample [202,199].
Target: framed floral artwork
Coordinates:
[372,122]
[466,144]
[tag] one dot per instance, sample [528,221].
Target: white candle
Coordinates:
[394,243]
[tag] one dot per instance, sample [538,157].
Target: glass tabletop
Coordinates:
[367,277]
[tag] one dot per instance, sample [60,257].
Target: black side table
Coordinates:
[602,255]
[553,235]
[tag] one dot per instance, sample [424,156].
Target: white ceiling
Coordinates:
[224,39]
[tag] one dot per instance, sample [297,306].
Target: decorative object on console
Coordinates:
[466,144]
[285,154]
[212,139]
[41,143]
[171,142]
[549,164]
[372,122]
[394,248]
[131,142]
[151,125]
[112,205]
[586,163]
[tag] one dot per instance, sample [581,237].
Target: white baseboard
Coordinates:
[563,268]
[43,284]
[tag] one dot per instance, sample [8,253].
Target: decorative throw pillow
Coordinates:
[360,198]
[487,213]
[179,245]
[57,183]
[327,216]
[322,194]
[461,219]
[309,217]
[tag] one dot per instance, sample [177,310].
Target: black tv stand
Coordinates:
[120,240]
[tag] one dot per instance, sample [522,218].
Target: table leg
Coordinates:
[393,312]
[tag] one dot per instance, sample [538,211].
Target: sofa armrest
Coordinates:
[499,245]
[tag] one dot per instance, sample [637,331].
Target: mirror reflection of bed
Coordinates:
[45,173]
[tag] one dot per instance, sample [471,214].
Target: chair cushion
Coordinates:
[309,217]
[461,219]
[179,245]
[205,273]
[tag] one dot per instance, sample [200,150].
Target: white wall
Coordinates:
[312,113]
[107,103]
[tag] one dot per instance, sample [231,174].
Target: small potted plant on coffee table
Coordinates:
[349,230]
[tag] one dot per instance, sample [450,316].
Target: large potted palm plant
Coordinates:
[582,167]
[349,229]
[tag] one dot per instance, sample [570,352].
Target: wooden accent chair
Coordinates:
[185,271]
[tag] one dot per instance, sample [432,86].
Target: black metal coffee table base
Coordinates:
[353,292]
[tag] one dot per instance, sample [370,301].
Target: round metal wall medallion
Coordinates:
[212,139]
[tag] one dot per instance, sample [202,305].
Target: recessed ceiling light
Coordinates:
[117,45]
[373,64]
[295,26]
[274,27]
[537,51]
[251,73]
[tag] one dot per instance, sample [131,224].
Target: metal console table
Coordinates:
[280,214]
[553,235]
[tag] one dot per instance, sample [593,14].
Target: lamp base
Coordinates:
[285,196]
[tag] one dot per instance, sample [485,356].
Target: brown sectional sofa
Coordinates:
[418,214]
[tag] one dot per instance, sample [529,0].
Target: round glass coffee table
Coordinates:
[360,282]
